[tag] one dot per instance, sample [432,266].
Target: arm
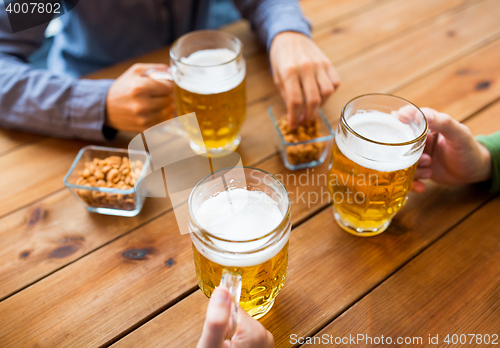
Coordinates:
[271,17]
[492,143]
[303,74]
[38,101]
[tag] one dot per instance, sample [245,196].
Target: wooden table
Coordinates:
[66,282]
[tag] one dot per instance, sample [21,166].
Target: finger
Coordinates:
[248,325]
[141,68]
[334,76]
[424,161]
[418,186]
[406,114]
[270,340]
[156,88]
[293,100]
[312,94]
[325,84]
[423,173]
[147,106]
[217,318]
[159,103]
[442,123]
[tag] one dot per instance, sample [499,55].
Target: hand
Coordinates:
[249,332]
[457,159]
[136,102]
[300,69]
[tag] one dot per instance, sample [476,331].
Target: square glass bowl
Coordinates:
[108,200]
[302,154]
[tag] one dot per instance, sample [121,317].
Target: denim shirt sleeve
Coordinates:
[271,17]
[39,101]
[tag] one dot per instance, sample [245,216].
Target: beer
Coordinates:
[374,160]
[211,83]
[242,221]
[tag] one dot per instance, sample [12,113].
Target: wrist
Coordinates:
[485,171]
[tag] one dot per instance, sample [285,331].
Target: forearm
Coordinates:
[271,17]
[38,101]
[492,143]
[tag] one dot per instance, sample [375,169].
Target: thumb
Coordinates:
[442,123]
[218,311]
[141,68]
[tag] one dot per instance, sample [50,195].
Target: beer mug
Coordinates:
[378,142]
[239,227]
[208,69]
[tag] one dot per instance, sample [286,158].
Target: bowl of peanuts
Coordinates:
[306,146]
[107,180]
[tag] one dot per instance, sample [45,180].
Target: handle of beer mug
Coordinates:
[232,281]
[159,74]
[174,127]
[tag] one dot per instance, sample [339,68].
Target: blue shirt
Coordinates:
[96,34]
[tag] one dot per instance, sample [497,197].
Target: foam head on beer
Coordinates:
[222,74]
[240,215]
[383,128]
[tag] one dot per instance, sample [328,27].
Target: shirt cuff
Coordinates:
[86,110]
[287,22]
[492,143]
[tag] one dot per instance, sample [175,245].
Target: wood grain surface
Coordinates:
[453,287]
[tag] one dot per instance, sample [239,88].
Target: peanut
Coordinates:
[110,172]
[301,153]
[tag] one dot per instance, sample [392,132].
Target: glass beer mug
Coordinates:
[240,224]
[208,69]
[378,142]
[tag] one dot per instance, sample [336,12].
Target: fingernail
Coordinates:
[430,117]
[219,295]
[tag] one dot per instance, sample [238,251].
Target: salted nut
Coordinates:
[301,153]
[111,172]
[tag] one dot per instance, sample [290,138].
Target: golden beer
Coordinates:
[219,115]
[208,69]
[375,152]
[243,230]
[260,283]
[375,197]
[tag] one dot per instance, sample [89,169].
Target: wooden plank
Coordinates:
[464,84]
[485,125]
[10,140]
[28,174]
[252,149]
[453,287]
[34,244]
[97,296]
[359,264]
[380,23]
[77,311]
